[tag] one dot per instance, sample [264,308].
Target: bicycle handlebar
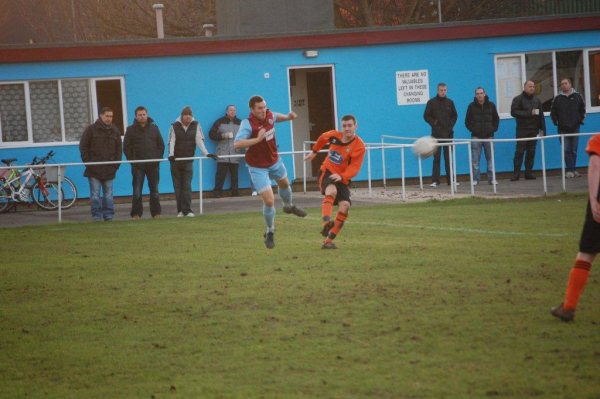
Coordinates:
[38,161]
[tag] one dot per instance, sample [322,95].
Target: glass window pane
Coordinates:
[594,60]
[538,68]
[45,111]
[508,75]
[76,107]
[13,115]
[569,64]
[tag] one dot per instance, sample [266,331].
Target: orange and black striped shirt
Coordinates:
[345,159]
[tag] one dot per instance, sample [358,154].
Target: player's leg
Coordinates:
[340,219]
[344,203]
[329,191]
[278,173]
[262,183]
[589,246]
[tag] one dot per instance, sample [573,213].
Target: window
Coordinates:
[547,69]
[56,111]
[594,72]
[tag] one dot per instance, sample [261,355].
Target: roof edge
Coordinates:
[222,45]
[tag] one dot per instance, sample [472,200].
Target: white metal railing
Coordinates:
[369,148]
[454,142]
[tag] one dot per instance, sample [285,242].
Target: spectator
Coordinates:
[223,131]
[343,162]
[568,112]
[589,243]
[527,110]
[144,141]
[101,142]
[185,135]
[482,121]
[441,115]
[257,134]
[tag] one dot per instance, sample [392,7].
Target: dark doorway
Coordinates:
[312,95]
[108,94]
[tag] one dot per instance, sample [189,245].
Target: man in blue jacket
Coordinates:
[144,141]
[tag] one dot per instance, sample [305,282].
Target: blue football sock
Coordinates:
[286,195]
[269,214]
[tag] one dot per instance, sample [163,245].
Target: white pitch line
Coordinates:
[458,229]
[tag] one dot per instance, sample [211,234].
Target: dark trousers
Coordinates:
[526,148]
[222,168]
[182,172]
[435,174]
[139,172]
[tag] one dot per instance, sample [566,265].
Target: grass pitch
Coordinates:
[431,300]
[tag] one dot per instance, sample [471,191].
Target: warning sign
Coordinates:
[412,87]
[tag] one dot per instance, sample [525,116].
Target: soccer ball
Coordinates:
[425,146]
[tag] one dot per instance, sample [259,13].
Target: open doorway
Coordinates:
[109,94]
[312,95]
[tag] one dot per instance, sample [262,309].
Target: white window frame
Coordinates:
[94,109]
[586,75]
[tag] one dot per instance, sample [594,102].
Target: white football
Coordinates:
[425,146]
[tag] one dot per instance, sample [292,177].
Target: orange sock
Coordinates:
[340,218]
[327,208]
[577,280]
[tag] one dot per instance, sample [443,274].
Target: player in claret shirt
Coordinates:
[343,162]
[257,135]
[589,243]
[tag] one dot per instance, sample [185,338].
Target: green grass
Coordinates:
[431,300]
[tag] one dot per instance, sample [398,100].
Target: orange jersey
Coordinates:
[593,146]
[345,159]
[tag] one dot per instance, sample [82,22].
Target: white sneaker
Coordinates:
[190,215]
[457,183]
[570,175]
[577,174]
[475,182]
[434,184]
[180,215]
[254,193]
[493,182]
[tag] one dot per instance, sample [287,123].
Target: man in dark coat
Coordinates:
[482,121]
[101,142]
[144,141]
[441,115]
[567,113]
[527,110]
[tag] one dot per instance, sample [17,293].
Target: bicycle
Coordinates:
[31,185]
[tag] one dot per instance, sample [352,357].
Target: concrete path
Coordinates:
[24,215]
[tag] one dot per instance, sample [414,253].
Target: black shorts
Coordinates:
[343,190]
[590,235]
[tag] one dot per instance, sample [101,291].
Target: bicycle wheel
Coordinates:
[69,193]
[47,198]
[6,201]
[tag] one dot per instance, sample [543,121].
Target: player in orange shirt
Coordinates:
[343,162]
[589,243]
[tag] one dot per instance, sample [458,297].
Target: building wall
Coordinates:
[365,86]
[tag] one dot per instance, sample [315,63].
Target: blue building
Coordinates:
[48,95]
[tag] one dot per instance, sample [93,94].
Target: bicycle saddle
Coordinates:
[8,161]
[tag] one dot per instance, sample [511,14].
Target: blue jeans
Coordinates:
[150,171]
[571,143]
[476,146]
[103,208]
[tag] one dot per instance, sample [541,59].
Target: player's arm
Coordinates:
[243,138]
[594,185]
[355,164]
[282,118]
[318,146]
